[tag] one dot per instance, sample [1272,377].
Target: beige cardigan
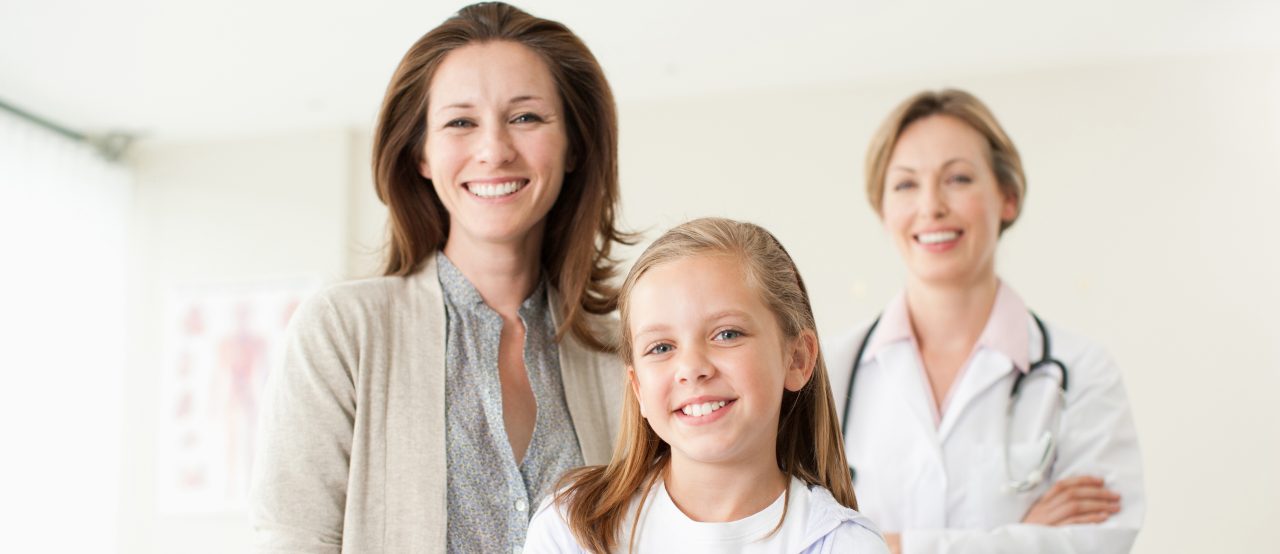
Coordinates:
[351,445]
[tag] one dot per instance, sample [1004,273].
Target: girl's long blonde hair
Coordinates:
[596,499]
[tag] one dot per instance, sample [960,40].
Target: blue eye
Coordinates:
[660,348]
[904,185]
[728,334]
[962,179]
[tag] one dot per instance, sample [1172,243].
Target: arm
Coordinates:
[304,438]
[1098,438]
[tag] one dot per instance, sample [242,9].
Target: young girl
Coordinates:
[730,441]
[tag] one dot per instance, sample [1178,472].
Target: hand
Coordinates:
[894,540]
[1073,500]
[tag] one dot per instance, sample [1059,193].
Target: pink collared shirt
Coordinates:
[1006,333]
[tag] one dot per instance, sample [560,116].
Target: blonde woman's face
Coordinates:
[942,205]
[709,361]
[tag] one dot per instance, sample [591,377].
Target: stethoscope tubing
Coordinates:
[1046,359]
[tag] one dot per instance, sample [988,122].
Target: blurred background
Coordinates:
[202,166]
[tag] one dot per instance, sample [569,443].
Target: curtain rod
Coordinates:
[111,145]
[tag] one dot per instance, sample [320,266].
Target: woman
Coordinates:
[429,409]
[941,461]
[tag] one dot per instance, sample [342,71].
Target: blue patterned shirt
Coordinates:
[490,497]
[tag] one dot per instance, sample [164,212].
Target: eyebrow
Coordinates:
[944,164]
[515,100]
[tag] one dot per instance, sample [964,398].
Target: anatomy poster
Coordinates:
[220,343]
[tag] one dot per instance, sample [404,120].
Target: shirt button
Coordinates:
[521,505]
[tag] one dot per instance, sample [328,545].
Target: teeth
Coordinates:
[494,190]
[934,238]
[699,410]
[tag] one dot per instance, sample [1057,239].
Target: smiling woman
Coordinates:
[480,360]
[1021,437]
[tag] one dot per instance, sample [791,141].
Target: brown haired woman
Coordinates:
[972,425]
[428,410]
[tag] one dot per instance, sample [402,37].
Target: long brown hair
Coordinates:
[810,445]
[580,231]
[1004,158]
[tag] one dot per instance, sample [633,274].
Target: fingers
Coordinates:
[1096,517]
[1075,500]
[1073,510]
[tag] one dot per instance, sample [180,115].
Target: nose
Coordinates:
[932,201]
[496,148]
[693,366]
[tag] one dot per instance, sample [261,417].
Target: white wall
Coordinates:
[218,213]
[1147,227]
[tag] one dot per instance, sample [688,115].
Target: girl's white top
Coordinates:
[815,524]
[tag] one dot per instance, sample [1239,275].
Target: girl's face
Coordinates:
[942,204]
[710,361]
[496,144]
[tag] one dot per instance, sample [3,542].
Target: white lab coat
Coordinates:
[942,485]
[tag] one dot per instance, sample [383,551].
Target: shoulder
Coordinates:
[838,351]
[839,528]
[549,531]
[840,347]
[359,304]
[1089,364]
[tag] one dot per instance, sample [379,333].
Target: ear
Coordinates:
[635,389]
[424,169]
[801,361]
[1009,209]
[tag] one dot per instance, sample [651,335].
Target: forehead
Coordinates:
[490,71]
[692,288]
[937,139]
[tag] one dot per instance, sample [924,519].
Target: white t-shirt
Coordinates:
[814,523]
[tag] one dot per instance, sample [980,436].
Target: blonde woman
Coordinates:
[971,424]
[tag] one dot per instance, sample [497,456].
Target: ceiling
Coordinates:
[187,69]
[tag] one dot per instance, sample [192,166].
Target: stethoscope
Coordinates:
[1048,441]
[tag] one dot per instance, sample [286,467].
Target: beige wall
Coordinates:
[1147,227]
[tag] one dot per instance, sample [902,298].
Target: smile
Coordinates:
[705,408]
[496,190]
[938,237]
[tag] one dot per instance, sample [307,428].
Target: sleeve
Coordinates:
[854,539]
[299,487]
[1097,437]
[548,533]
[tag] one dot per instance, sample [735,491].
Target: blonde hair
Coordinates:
[1004,158]
[810,445]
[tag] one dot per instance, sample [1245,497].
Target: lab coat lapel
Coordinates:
[985,370]
[907,375]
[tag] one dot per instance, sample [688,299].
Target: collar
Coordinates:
[459,289]
[1006,331]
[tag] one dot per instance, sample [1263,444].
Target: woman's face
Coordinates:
[496,145]
[942,204]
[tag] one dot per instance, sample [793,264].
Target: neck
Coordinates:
[950,317]
[718,493]
[504,274]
